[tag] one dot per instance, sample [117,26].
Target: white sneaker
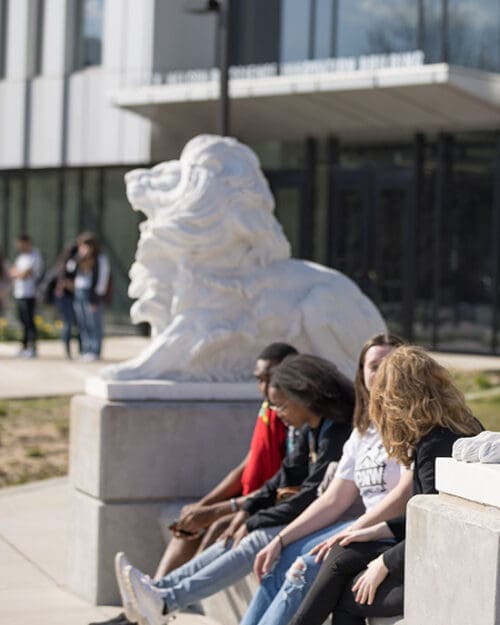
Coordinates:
[121,562]
[148,601]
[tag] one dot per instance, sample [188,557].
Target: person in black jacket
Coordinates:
[420,414]
[309,393]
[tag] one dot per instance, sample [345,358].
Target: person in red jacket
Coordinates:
[212,514]
[202,522]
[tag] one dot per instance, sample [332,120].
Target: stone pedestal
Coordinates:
[128,459]
[453,548]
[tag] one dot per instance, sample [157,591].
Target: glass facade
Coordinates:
[462,32]
[88,33]
[415,224]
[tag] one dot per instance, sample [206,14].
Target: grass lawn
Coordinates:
[33,439]
[34,433]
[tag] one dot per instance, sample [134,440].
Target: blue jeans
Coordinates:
[282,590]
[214,569]
[64,305]
[90,321]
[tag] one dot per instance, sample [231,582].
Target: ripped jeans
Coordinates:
[282,590]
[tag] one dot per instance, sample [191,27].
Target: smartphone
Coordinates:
[177,530]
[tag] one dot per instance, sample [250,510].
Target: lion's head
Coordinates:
[211,210]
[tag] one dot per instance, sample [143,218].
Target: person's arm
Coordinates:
[103,272]
[329,448]
[393,504]
[214,504]
[20,274]
[337,498]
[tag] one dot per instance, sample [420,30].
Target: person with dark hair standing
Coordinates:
[27,270]
[90,285]
[202,522]
[64,288]
[311,394]
[420,413]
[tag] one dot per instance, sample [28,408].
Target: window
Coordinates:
[39,27]
[3,37]
[89,28]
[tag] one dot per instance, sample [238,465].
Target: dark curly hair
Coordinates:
[317,384]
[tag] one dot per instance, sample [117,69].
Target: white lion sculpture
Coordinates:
[214,278]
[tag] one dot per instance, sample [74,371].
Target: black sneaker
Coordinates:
[121,619]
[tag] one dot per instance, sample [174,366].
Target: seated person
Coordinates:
[420,413]
[284,566]
[311,394]
[216,509]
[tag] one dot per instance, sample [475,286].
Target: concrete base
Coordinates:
[127,460]
[452,562]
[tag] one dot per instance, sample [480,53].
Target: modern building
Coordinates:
[376,122]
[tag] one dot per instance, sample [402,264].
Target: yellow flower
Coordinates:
[58,324]
[3,322]
[38,320]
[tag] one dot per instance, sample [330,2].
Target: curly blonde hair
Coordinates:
[412,394]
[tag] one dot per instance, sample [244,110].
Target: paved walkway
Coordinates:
[52,374]
[35,519]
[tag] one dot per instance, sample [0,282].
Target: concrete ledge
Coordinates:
[452,562]
[154,390]
[473,481]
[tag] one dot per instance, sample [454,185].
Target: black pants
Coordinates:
[331,590]
[26,312]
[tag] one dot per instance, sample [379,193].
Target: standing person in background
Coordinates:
[91,283]
[66,267]
[4,284]
[27,270]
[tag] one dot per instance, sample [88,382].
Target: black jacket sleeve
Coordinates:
[329,448]
[437,444]
[293,472]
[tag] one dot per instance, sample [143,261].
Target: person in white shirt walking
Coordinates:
[27,270]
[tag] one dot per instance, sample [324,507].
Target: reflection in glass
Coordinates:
[89,30]
[294,38]
[120,232]
[42,208]
[373,27]
[71,222]
[288,214]
[474,33]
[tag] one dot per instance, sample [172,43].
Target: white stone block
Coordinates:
[156,450]
[452,562]
[473,481]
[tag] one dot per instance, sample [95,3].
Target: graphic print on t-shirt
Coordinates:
[370,470]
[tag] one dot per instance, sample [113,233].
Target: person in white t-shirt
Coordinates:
[27,270]
[288,565]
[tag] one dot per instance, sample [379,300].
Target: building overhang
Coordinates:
[362,103]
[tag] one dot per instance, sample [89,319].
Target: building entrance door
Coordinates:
[371,237]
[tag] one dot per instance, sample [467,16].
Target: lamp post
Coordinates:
[223,9]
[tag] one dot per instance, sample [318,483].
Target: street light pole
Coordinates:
[223,36]
[223,9]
